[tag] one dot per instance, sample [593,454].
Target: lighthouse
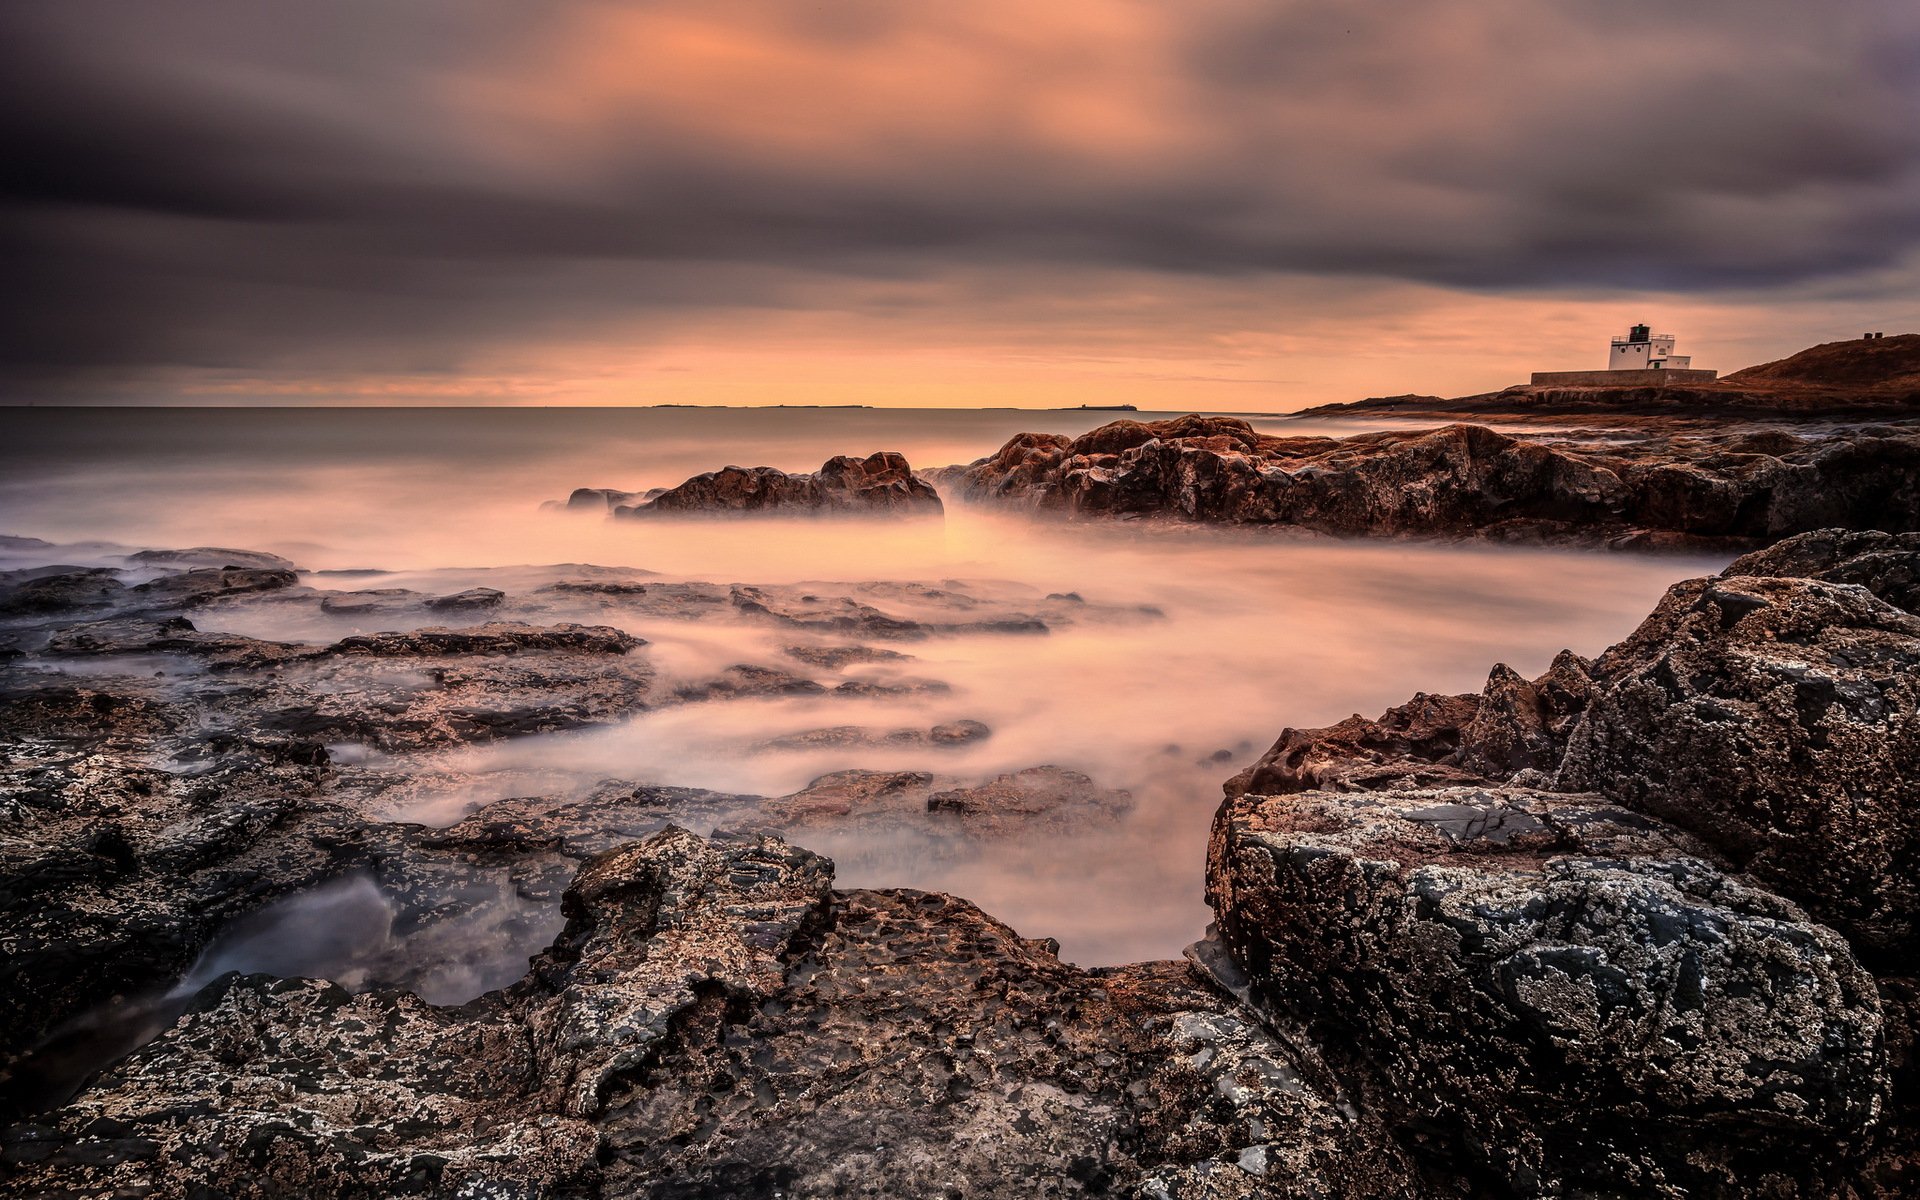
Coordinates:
[1643,358]
[1643,350]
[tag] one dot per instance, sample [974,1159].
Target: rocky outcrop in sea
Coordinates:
[1745,487]
[882,483]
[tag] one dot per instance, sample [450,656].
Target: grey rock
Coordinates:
[1554,993]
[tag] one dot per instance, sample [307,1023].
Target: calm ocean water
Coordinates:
[1261,629]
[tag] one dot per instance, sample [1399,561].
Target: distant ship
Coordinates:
[1106,408]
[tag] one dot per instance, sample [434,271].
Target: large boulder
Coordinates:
[1724,800]
[1773,711]
[1556,995]
[1779,718]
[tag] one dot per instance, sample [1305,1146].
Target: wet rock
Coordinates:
[595,587]
[371,602]
[837,614]
[543,842]
[495,638]
[878,484]
[380,602]
[1558,995]
[747,679]
[117,872]
[1023,800]
[1033,800]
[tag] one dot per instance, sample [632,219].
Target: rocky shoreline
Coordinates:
[1642,925]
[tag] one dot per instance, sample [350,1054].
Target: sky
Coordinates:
[1234,205]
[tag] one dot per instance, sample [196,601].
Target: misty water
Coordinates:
[1212,640]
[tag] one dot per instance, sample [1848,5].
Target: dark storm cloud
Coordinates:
[378,186]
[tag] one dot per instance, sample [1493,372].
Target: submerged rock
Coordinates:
[210,556]
[879,483]
[380,602]
[948,735]
[603,500]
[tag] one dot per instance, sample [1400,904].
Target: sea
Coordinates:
[1254,630]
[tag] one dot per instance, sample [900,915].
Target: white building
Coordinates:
[1641,351]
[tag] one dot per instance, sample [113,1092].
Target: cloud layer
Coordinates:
[228,187]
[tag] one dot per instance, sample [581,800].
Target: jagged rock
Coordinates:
[1414,745]
[1465,480]
[716,1021]
[1779,718]
[117,872]
[1773,713]
[1764,719]
[879,483]
[1559,995]
[1888,565]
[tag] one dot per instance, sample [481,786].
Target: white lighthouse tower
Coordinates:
[1640,359]
[1642,350]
